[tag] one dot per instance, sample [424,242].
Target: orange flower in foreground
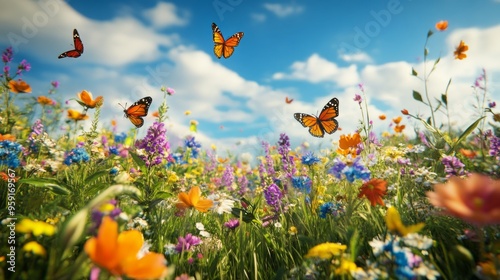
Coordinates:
[86,100]
[349,140]
[473,199]
[76,116]
[460,51]
[442,25]
[19,86]
[193,199]
[374,190]
[119,253]
[382,117]
[8,137]
[44,100]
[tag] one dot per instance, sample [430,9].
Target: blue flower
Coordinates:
[309,159]
[334,209]
[302,183]
[352,171]
[9,152]
[113,171]
[120,138]
[189,142]
[76,155]
[114,150]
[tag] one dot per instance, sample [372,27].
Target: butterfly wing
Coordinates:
[231,43]
[288,101]
[78,47]
[306,120]
[218,40]
[138,110]
[327,116]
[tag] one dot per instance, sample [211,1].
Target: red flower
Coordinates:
[374,190]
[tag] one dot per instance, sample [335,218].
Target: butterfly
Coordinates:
[326,121]
[288,101]
[225,47]
[138,110]
[78,47]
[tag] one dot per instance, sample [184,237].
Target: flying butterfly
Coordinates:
[325,122]
[288,101]
[77,41]
[224,47]
[138,110]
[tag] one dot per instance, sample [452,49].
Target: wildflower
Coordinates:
[187,112]
[227,179]
[293,230]
[9,152]
[452,166]
[273,196]
[442,25]
[468,153]
[346,267]
[36,228]
[351,170]
[358,98]
[326,251]
[347,141]
[382,117]
[44,100]
[495,147]
[76,116]
[193,199]
[399,128]
[460,51]
[190,143]
[187,243]
[202,230]
[35,248]
[405,112]
[24,65]
[374,190]
[155,145]
[284,149]
[473,199]
[334,209]
[76,155]
[394,223]
[193,125]
[309,159]
[232,224]
[302,183]
[120,253]
[108,209]
[7,137]
[170,91]
[7,55]
[19,86]
[269,163]
[55,84]
[492,104]
[87,101]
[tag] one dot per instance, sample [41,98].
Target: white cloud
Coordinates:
[317,69]
[165,15]
[356,57]
[115,42]
[258,17]
[282,10]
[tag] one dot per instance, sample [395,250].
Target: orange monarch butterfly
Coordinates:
[225,47]
[138,110]
[326,121]
[288,101]
[78,47]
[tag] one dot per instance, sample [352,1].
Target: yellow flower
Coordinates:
[346,266]
[187,113]
[35,248]
[292,230]
[44,100]
[172,177]
[394,223]
[35,227]
[326,251]
[76,116]
[119,253]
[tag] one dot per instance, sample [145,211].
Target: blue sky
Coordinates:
[310,51]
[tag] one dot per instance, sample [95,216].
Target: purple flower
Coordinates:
[452,166]
[155,145]
[232,224]
[170,91]
[495,147]
[421,134]
[273,196]
[492,104]
[228,176]
[107,209]
[286,160]
[372,138]
[186,243]
[269,160]
[55,84]
[358,98]
[351,171]
[7,55]
[243,185]
[6,70]
[361,87]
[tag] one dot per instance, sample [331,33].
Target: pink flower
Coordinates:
[473,199]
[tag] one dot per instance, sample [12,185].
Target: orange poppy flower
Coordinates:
[4,176]
[442,25]
[119,253]
[76,116]
[374,190]
[473,199]
[468,153]
[8,137]
[113,123]
[460,51]
[349,140]
[394,223]
[399,128]
[87,101]
[155,114]
[19,86]
[193,199]
[382,117]
[397,120]
[44,100]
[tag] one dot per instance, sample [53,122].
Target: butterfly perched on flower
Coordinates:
[325,122]
[77,41]
[138,110]
[288,101]
[224,47]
